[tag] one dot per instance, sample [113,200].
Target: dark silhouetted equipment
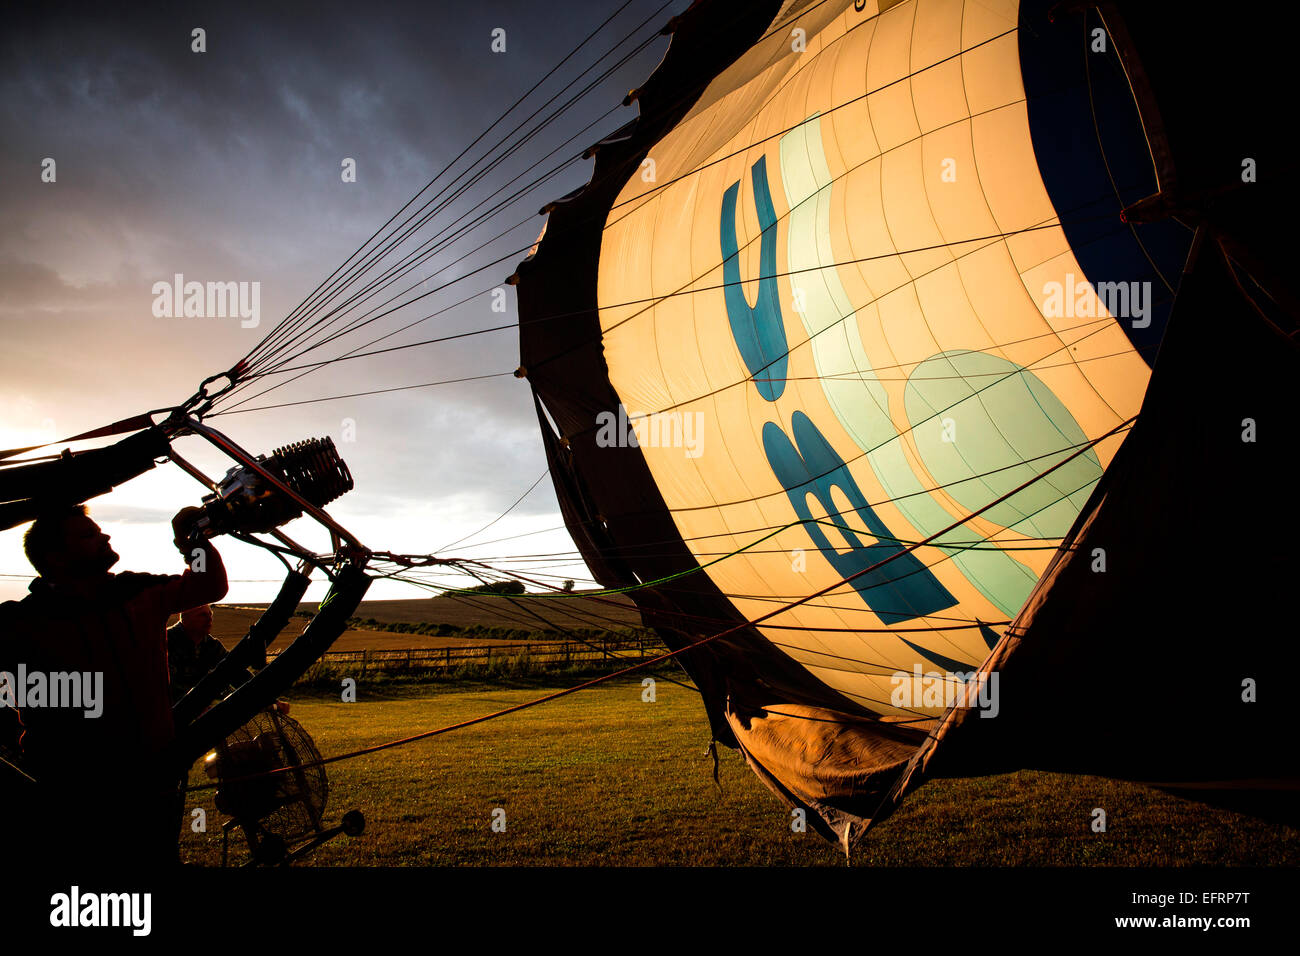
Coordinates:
[248,502]
[274,788]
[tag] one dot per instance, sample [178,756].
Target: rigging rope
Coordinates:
[310,300]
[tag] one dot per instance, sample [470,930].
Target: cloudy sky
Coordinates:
[228,166]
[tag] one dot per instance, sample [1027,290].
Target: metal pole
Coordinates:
[244,458]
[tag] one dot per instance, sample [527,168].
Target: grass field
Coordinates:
[602,778]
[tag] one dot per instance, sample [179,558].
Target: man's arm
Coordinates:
[204,580]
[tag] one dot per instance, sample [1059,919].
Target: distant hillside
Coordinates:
[459,612]
[491,610]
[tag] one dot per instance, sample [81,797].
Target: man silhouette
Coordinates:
[101,790]
[192,651]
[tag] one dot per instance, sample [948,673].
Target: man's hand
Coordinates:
[185,526]
[205,581]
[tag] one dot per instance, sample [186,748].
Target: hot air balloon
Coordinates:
[922,369]
[909,380]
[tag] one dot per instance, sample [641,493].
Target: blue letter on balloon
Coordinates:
[759,332]
[900,590]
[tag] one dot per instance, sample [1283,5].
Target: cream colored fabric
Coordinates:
[915,248]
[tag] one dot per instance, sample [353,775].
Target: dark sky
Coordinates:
[226,166]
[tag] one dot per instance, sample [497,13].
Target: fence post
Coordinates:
[448,657]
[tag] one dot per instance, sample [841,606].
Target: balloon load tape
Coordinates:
[245,501]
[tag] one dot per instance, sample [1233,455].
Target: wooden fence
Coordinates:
[544,654]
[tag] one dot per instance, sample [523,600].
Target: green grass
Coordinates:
[601,778]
